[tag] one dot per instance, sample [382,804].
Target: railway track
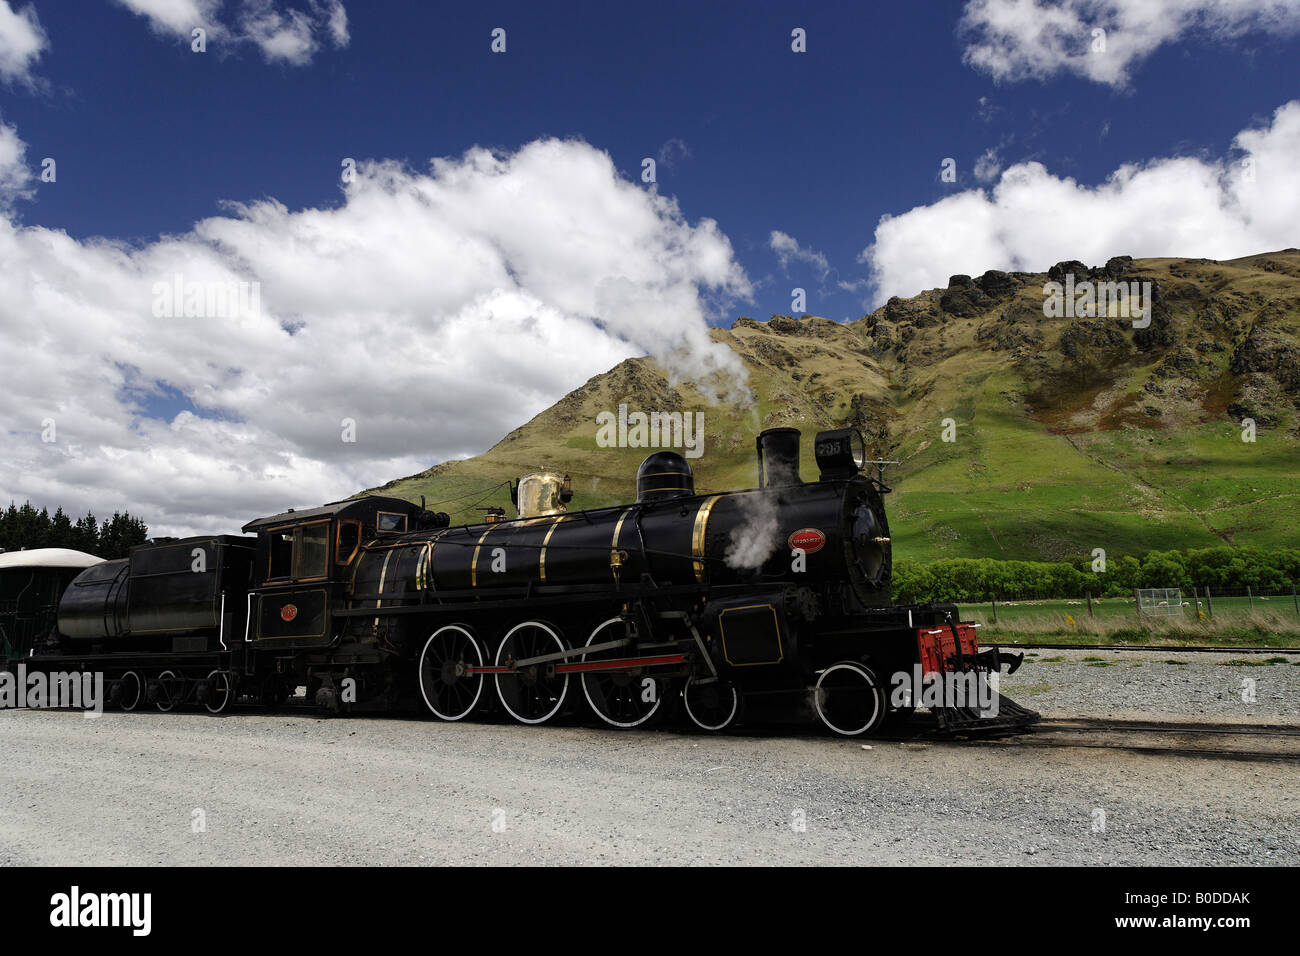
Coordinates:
[1266,742]
[1149,647]
[1087,724]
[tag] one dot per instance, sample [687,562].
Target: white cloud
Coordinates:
[1166,207]
[336,21]
[673,152]
[988,166]
[177,17]
[22,41]
[1036,39]
[788,250]
[292,35]
[438,310]
[286,34]
[15,177]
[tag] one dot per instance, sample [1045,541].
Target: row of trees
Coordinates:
[25,527]
[974,579]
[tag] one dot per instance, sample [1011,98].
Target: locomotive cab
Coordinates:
[304,561]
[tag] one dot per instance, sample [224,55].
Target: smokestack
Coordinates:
[778,457]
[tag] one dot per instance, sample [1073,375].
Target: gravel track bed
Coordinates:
[296,789]
[1158,685]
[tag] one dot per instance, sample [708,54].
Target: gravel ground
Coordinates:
[1158,685]
[287,789]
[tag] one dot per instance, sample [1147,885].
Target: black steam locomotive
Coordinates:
[778,592]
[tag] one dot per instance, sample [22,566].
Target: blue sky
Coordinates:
[498,246]
[151,137]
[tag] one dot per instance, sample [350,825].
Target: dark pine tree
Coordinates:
[86,534]
[26,528]
[9,528]
[61,532]
[120,534]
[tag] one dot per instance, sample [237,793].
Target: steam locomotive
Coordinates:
[707,601]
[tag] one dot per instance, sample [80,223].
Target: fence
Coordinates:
[1159,602]
[1144,605]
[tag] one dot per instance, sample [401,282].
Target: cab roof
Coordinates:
[349,508]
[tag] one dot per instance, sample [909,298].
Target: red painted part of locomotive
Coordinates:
[937,650]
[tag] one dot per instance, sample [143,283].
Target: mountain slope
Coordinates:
[1070,433]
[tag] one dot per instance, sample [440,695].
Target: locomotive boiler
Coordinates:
[670,535]
[677,600]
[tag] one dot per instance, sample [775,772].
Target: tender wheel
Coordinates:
[711,706]
[448,692]
[130,691]
[171,691]
[533,694]
[620,698]
[221,692]
[850,699]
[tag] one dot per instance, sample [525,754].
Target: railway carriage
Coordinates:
[31,584]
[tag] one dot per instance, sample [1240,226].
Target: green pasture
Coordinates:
[1116,609]
[1266,621]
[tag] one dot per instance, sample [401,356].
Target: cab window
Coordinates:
[313,552]
[387,521]
[281,565]
[299,553]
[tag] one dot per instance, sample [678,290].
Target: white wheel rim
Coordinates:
[731,714]
[139,690]
[225,700]
[586,691]
[164,687]
[868,679]
[564,690]
[424,693]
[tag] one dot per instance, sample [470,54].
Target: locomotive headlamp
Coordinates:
[841,453]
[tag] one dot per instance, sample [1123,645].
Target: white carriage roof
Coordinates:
[47,558]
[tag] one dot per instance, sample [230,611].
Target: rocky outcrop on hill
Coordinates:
[999,286]
[1259,398]
[1271,354]
[1115,269]
[917,312]
[1013,331]
[964,298]
[808,326]
[1097,339]
[1180,362]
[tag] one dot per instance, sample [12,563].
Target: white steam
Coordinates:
[757,539]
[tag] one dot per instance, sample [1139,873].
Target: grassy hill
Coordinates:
[1071,433]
